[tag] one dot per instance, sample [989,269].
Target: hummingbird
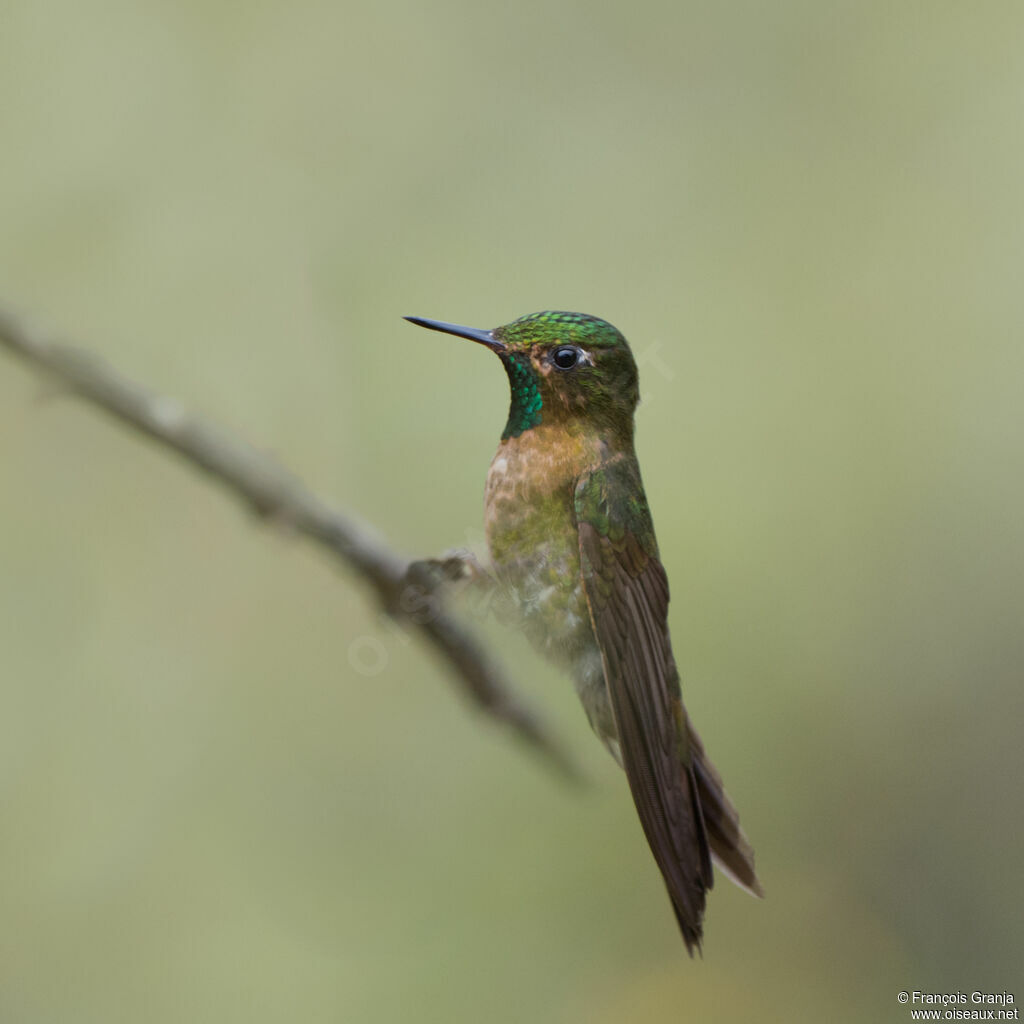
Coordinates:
[572,542]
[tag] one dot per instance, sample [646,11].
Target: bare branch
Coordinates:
[270,490]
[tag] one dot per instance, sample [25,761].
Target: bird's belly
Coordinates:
[540,569]
[534,549]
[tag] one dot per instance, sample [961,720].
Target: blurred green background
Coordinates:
[807,217]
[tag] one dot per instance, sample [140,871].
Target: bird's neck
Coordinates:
[551,457]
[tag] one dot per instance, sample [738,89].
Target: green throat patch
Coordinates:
[524,410]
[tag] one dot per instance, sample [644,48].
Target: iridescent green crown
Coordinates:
[553,327]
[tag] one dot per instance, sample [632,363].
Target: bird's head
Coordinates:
[563,368]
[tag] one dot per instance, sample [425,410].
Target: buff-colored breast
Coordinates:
[531,530]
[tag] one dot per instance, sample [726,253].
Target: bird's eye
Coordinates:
[566,358]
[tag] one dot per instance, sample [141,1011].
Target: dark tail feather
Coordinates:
[730,847]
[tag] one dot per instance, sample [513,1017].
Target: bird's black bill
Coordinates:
[473,333]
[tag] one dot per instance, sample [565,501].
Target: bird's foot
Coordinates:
[459,569]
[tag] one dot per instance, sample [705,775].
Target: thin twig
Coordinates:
[271,491]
